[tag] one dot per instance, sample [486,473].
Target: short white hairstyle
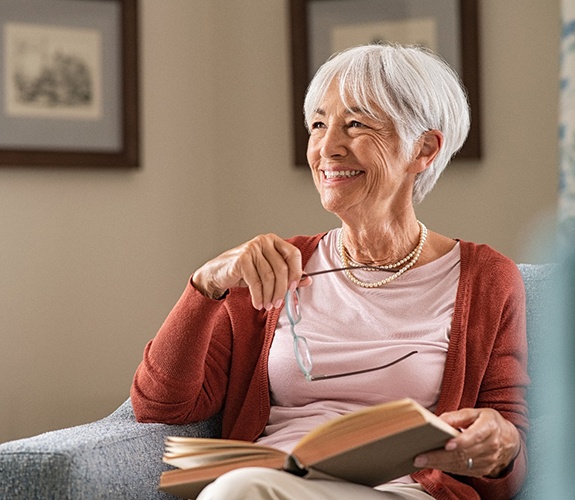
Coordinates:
[409,84]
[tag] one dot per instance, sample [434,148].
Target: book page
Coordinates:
[198,452]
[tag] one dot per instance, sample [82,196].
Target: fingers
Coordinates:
[267,265]
[457,462]
[292,258]
[461,419]
[485,447]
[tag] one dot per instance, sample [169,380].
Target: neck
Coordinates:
[381,243]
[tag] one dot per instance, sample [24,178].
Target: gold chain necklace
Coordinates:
[407,262]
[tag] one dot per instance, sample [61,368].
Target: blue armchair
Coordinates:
[118,458]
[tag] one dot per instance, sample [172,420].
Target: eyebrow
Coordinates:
[349,111]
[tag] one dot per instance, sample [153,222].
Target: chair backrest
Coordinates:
[538,279]
[551,337]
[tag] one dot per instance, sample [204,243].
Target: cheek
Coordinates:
[380,147]
[313,164]
[312,152]
[313,158]
[382,154]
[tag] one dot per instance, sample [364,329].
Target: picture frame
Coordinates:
[318,25]
[69,83]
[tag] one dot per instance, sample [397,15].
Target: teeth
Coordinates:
[341,173]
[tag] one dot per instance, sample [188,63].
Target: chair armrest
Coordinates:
[540,452]
[115,457]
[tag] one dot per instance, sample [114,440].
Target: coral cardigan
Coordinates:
[211,356]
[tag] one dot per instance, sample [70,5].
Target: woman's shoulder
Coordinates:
[306,239]
[483,254]
[306,244]
[481,262]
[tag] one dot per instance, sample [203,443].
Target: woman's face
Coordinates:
[356,161]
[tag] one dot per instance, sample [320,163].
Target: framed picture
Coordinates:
[69,83]
[320,28]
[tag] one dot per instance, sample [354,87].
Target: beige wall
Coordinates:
[92,261]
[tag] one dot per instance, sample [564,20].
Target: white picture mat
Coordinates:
[422,31]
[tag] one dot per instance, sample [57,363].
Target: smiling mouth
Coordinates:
[340,174]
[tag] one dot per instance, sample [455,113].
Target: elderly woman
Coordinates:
[384,120]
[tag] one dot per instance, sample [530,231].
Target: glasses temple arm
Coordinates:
[346,268]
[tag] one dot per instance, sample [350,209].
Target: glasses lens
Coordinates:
[292,306]
[302,354]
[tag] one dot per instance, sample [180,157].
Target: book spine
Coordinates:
[294,466]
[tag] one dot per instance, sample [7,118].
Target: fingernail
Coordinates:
[420,461]
[269,306]
[278,303]
[293,286]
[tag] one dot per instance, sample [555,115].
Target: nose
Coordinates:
[333,142]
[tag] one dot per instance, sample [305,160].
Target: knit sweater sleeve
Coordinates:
[184,373]
[209,357]
[504,381]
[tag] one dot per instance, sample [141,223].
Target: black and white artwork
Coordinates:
[52,72]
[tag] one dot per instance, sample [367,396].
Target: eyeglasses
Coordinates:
[301,349]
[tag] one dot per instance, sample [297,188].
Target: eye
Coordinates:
[356,124]
[316,125]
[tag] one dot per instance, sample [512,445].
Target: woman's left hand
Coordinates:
[486,446]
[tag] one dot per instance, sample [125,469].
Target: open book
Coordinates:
[370,446]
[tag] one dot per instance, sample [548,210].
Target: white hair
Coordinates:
[410,85]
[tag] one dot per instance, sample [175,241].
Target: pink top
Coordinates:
[349,328]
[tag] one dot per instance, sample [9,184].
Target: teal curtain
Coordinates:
[567,124]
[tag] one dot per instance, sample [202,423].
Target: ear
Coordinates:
[426,149]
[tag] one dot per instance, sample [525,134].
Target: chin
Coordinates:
[332,206]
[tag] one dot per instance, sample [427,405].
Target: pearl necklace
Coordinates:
[407,262]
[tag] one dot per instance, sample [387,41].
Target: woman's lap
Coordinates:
[258,483]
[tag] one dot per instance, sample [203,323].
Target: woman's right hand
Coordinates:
[267,265]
